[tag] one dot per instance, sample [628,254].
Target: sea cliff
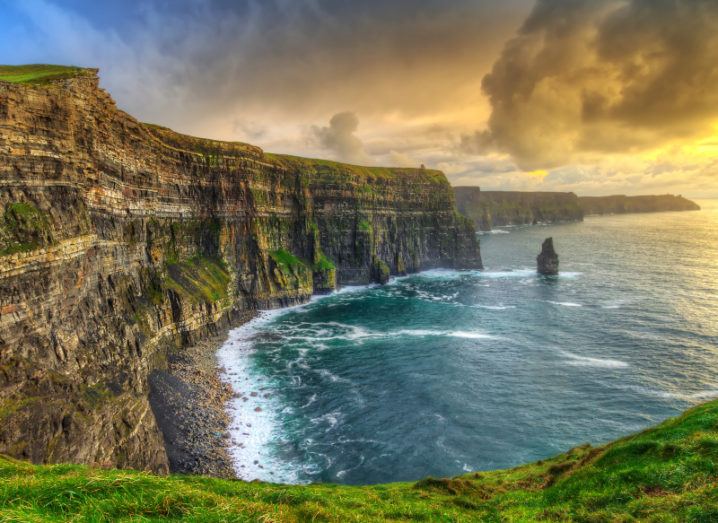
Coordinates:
[620,204]
[489,209]
[123,243]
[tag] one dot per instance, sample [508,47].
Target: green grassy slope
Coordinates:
[669,473]
[328,170]
[37,73]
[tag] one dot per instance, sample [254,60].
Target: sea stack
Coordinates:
[547,260]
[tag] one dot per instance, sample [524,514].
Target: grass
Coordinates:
[23,228]
[39,73]
[287,262]
[666,474]
[324,264]
[328,170]
[199,278]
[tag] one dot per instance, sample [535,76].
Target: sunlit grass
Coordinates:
[38,73]
[669,473]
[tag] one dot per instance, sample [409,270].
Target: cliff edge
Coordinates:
[121,243]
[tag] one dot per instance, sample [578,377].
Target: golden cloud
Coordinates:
[609,76]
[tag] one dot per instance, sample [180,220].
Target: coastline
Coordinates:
[195,400]
[190,401]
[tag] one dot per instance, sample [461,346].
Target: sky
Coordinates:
[591,96]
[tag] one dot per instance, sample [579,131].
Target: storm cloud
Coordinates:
[198,65]
[580,90]
[603,76]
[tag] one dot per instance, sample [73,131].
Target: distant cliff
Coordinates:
[122,242]
[488,209]
[621,204]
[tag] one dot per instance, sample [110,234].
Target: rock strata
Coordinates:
[122,244]
[547,260]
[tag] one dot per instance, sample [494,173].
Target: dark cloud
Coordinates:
[603,75]
[339,138]
[185,62]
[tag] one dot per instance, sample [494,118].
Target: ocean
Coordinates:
[446,372]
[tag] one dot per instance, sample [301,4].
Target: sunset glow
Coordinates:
[597,97]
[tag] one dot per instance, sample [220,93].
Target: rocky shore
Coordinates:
[189,400]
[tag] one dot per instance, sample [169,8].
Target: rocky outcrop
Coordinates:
[547,260]
[122,243]
[489,209]
[621,204]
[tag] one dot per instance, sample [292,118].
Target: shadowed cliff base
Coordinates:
[489,209]
[188,400]
[662,474]
[123,243]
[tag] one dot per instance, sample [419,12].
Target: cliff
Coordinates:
[489,209]
[621,204]
[121,243]
[666,473]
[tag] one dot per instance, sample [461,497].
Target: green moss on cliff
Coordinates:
[23,228]
[663,474]
[286,260]
[380,271]
[325,274]
[365,226]
[38,73]
[290,272]
[324,264]
[327,170]
[199,278]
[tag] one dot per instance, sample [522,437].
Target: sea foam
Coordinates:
[253,410]
[585,361]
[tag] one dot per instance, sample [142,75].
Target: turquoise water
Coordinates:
[446,372]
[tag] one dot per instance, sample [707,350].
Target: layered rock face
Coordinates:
[488,209]
[621,204]
[121,243]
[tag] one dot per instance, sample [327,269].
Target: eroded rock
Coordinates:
[547,260]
